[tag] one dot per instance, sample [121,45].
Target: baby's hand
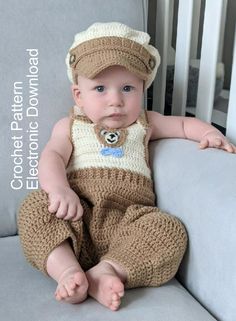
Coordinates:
[216,140]
[65,203]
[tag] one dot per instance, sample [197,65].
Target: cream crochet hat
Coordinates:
[107,44]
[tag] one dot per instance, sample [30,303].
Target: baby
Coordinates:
[94,227]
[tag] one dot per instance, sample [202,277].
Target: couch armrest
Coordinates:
[199,187]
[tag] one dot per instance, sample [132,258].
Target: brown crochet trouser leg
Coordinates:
[148,244]
[41,231]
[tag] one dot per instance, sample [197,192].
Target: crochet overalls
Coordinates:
[109,171]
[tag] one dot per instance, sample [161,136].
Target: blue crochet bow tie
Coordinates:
[115,151]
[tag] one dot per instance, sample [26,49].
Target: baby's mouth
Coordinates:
[115,116]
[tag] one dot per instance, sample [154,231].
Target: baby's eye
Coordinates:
[128,88]
[100,89]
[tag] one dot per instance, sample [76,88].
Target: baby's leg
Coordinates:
[63,267]
[106,283]
[43,237]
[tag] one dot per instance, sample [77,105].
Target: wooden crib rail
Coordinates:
[214,19]
[212,41]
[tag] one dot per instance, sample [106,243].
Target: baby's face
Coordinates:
[113,98]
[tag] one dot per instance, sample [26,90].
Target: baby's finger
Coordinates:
[204,143]
[229,148]
[62,210]
[218,142]
[53,206]
[79,213]
[71,212]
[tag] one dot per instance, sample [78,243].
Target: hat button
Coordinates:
[72,59]
[152,63]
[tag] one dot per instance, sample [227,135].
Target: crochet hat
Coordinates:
[107,44]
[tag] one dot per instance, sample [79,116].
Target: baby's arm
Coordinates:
[52,173]
[189,128]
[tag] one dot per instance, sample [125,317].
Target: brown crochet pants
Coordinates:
[120,223]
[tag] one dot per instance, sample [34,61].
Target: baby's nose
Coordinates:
[116,98]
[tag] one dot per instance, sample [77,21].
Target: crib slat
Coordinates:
[214,12]
[195,28]
[231,117]
[183,47]
[222,30]
[164,21]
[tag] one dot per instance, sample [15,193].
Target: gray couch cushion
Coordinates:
[199,186]
[48,26]
[26,295]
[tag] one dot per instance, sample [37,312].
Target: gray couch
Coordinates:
[197,186]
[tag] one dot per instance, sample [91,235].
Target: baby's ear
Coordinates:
[76,94]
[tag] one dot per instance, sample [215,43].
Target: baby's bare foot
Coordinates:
[72,286]
[105,285]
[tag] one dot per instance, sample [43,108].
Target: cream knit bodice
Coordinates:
[98,147]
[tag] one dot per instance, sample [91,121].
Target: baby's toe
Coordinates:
[80,280]
[70,291]
[115,297]
[115,301]
[121,294]
[61,293]
[70,287]
[115,305]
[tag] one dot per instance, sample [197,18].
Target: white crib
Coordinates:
[186,50]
